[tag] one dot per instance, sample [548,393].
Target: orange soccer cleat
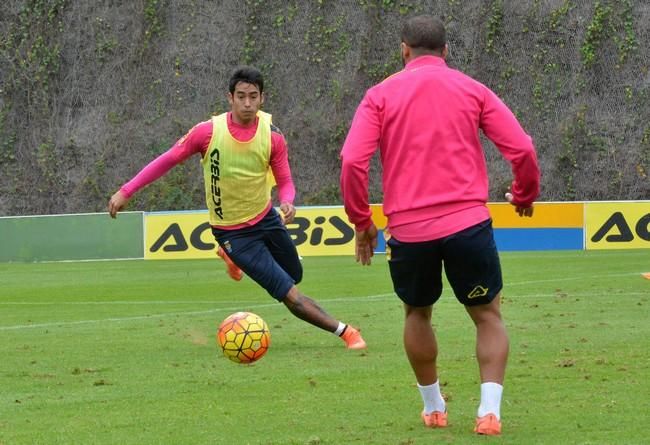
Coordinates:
[488,425]
[353,339]
[435,419]
[232,269]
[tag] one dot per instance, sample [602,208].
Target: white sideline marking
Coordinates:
[140,317]
[117,302]
[240,304]
[158,302]
[172,314]
[507,284]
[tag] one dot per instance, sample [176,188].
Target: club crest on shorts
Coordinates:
[227,246]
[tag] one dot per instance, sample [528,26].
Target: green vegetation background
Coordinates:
[91,91]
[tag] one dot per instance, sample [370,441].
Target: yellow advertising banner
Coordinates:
[315,231]
[545,215]
[318,231]
[617,225]
[178,235]
[322,231]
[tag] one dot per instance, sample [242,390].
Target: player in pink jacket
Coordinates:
[425,121]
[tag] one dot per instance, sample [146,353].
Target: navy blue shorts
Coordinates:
[471,263]
[265,252]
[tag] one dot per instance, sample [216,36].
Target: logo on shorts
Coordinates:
[227,246]
[478,291]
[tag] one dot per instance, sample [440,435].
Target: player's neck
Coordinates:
[235,120]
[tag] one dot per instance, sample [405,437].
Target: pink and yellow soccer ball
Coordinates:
[244,337]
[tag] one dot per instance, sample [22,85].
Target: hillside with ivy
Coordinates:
[92,91]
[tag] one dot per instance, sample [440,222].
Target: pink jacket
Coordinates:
[425,121]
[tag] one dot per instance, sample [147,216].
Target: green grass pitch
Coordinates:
[124,352]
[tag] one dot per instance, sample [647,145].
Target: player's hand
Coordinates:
[288,212]
[366,241]
[522,211]
[117,202]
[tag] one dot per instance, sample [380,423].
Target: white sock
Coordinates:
[490,399]
[340,329]
[432,398]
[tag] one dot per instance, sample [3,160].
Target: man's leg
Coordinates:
[492,346]
[420,343]
[308,310]
[422,351]
[491,340]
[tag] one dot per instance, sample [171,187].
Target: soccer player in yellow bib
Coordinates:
[238,149]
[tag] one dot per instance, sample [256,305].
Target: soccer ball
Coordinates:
[244,337]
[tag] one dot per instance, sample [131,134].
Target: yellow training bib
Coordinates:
[235,173]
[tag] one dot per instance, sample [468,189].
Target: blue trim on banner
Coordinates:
[539,239]
[381,243]
[525,239]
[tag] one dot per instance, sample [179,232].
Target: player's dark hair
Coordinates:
[246,74]
[424,33]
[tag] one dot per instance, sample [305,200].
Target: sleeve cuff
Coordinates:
[126,192]
[363,226]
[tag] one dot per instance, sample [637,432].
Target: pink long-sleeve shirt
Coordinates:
[197,140]
[425,121]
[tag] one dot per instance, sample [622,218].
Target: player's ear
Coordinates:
[445,51]
[261,98]
[406,52]
[230,98]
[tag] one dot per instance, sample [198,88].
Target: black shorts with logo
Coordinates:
[265,252]
[470,260]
